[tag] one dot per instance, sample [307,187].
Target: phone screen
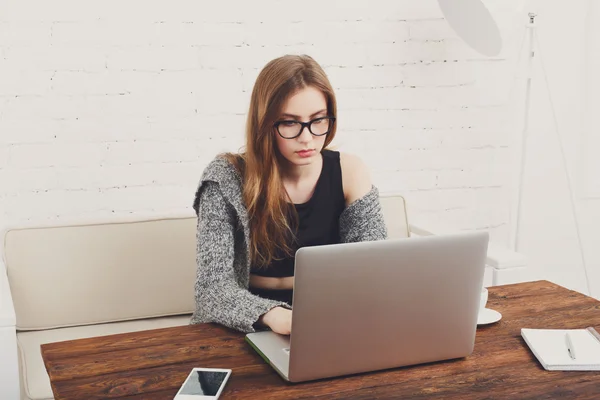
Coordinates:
[205,383]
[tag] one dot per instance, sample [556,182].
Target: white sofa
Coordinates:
[83,280]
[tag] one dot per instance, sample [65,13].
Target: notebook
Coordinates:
[565,349]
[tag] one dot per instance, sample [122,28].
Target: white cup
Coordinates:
[484,299]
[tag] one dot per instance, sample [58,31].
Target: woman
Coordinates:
[286,191]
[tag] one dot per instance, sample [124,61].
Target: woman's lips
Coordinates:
[305,153]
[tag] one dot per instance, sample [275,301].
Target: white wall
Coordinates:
[114,108]
[590,165]
[111,108]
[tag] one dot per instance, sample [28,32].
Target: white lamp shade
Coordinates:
[473,22]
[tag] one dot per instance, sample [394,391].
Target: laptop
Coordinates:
[367,306]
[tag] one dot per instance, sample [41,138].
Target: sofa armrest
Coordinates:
[7,309]
[498,257]
[9,365]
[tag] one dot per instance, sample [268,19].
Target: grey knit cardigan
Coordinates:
[222,250]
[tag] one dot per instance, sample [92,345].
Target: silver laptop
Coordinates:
[367,306]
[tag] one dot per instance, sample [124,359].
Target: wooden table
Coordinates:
[153,364]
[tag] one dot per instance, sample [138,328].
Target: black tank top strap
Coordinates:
[332,159]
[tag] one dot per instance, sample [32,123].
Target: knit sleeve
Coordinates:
[362,220]
[219,297]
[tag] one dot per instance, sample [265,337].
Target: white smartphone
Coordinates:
[203,383]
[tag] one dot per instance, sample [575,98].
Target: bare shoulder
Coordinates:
[356,178]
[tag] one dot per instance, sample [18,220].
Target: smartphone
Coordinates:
[203,383]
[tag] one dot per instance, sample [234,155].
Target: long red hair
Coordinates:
[267,202]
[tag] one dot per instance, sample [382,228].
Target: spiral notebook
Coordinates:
[565,349]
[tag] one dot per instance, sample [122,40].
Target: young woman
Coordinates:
[285,191]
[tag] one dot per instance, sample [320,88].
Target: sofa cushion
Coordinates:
[96,273]
[34,377]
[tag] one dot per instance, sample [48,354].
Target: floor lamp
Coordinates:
[474,24]
[531,53]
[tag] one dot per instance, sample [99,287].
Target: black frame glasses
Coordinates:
[303,125]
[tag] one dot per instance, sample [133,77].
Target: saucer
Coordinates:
[488,316]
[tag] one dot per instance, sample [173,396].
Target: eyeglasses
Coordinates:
[290,129]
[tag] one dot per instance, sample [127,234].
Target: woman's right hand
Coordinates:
[279,319]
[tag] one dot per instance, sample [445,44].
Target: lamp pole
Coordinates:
[523,155]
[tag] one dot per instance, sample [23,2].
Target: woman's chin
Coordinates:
[295,160]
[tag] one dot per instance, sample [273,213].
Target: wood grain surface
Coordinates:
[153,364]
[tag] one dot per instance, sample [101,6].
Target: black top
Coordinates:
[318,223]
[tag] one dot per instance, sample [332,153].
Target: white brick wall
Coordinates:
[115,107]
